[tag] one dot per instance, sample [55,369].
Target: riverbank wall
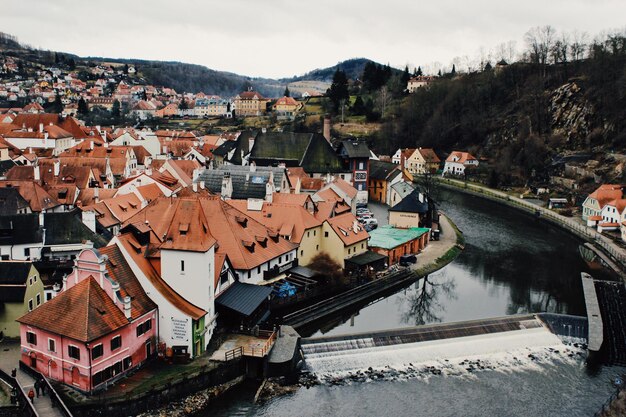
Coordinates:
[570,225]
[192,392]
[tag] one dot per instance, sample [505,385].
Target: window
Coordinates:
[249,274]
[48,296]
[97,351]
[30,305]
[314,232]
[362,245]
[317,247]
[301,252]
[182,266]
[280,259]
[38,299]
[325,234]
[26,252]
[258,270]
[349,251]
[144,327]
[116,343]
[52,346]
[31,338]
[73,352]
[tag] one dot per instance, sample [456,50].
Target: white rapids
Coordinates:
[332,360]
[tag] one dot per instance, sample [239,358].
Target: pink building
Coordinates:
[100,325]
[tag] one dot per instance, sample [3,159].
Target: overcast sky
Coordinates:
[281,38]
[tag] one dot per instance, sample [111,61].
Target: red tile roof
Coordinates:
[344,226]
[85,313]
[32,121]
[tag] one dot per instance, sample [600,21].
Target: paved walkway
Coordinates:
[9,359]
[570,223]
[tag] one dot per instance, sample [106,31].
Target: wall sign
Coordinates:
[179,329]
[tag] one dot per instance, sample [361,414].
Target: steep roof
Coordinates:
[85,313]
[14,273]
[38,198]
[120,271]
[380,170]
[344,226]
[412,204]
[11,202]
[352,148]
[462,157]
[130,245]
[429,155]
[32,121]
[310,151]
[607,192]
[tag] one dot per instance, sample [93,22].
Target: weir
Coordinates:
[438,342]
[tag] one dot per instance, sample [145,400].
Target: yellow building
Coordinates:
[422,161]
[21,291]
[344,237]
[250,103]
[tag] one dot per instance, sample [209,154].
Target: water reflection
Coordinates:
[425,303]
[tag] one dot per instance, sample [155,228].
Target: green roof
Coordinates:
[389,237]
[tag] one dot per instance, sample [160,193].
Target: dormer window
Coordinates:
[262,241]
[183,228]
[248,245]
[243,221]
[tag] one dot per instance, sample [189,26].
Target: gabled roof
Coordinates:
[353,148]
[429,155]
[310,151]
[606,192]
[120,271]
[250,95]
[462,157]
[286,101]
[619,204]
[85,313]
[14,273]
[380,170]
[32,121]
[38,198]
[130,245]
[412,204]
[403,188]
[344,226]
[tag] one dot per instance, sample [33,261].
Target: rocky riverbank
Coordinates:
[193,404]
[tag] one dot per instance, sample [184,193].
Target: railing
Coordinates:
[252,351]
[234,353]
[57,402]
[25,406]
[580,230]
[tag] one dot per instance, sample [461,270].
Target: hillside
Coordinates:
[523,118]
[184,77]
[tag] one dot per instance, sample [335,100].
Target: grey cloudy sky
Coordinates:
[279,38]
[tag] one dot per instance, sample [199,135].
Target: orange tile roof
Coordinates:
[619,204]
[120,271]
[150,192]
[429,155]
[32,121]
[38,198]
[603,194]
[463,157]
[345,187]
[85,313]
[129,243]
[344,225]
[595,218]
[87,195]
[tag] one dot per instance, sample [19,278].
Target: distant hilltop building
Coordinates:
[250,103]
[418,82]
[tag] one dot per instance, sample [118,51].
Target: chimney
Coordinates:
[127,307]
[227,186]
[251,143]
[36,173]
[355,226]
[40,127]
[91,144]
[56,289]
[194,186]
[89,219]
[64,282]
[96,195]
[115,287]
[253,166]
[264,129]
[57,167]
[269,192]
[327,128]
[202,185]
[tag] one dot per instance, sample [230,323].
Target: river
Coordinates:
[512,263]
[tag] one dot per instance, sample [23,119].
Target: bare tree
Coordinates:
[540,41]
[560,49]
[383,99]
[578,45]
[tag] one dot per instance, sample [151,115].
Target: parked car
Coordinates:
[370,226]
[405,260]
[363,210]
[371,220]
[361,205]
[365,216]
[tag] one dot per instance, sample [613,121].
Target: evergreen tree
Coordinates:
[419,71]
[57,107]
[488,66]
[126,69]
[338,90]
[183,104]
[71,64]
[358,107]
[406,76]
[115,110]
[453,72]
[82,107]
[287,92]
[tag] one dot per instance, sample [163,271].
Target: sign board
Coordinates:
[179,329]
[360,175]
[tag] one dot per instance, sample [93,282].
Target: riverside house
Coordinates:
[100,325]
[393,242]
[593,204]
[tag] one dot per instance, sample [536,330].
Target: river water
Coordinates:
[511,264]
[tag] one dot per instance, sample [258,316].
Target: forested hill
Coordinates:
[353,68]
[181,76]
[522,116]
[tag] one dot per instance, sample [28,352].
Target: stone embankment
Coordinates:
[193,404]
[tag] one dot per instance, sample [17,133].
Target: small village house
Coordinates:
[393,242]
